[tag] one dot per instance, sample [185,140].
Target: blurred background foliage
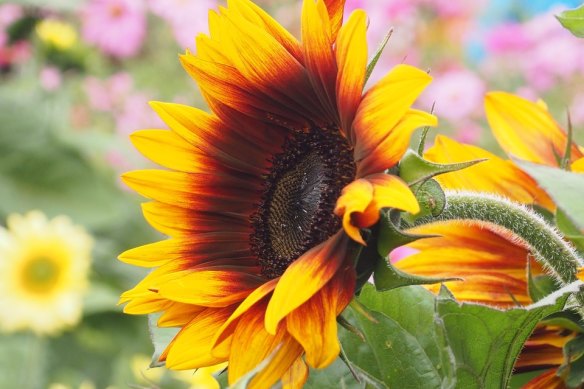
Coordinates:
[75,79]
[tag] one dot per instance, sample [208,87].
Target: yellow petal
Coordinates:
[578,166]
[526,130]
[351,52]
[385,105]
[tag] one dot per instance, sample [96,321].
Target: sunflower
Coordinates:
[43,273]
[266,194]
[491,261]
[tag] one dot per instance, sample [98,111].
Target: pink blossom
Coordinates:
[136,114]
[187,18]
[457,94]
[468,132]
[507,37]
[50,78]
[108,95]
[117,27]
[400,253]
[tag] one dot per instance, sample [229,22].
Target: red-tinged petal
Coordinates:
[362,200]
[319,57]
[208,192]
[178,314]
[492,176]
[491,264]
[547,380]
[168,149]
[351,55]
[296,376]
[209,134]
[259,17]
[385,105]
[335,10]
[210,288]
[143,306]
[319,316]
[305,277]
[192,250]
[191,347]
[354,199]
[526,130]
[252,344]
[254,297]
[180,222]
[391,149]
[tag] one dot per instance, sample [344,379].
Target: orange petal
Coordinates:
[296,376]
[547,380]
[385,105]
[178,314]
[191,347]
[492,176]
[492,266]
[318,54]
[362,200]
[180,222]
[314,323]
[393,147]
[526,130]
[305,277]
[351,52]
[252,344]
[335,10]
[210,288]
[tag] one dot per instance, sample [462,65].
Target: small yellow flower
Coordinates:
[56,33]
[43,273]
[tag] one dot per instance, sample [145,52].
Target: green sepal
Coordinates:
[414,169]
[377,55]
[539,286]
[431,198]
[573,21]
[389,236]
[572,370]
[566,319]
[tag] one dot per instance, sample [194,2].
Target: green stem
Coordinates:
[543,240]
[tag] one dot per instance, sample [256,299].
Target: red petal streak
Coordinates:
[305,277]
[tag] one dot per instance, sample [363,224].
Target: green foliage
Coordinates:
[414,339]
[573,21]
[565,188]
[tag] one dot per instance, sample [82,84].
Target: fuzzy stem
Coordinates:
[544,241]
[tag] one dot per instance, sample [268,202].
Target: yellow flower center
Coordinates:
[300,193]
[40,275]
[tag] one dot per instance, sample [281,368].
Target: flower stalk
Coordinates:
[544,241]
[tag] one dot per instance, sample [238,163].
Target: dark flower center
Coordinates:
[300,193]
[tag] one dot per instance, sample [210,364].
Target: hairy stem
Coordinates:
[543,240]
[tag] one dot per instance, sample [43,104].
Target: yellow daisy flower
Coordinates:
[266,193]
[56,33]
[43,273]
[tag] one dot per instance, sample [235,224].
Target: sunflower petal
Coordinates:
[492,176]
[362,200]
[335,10]
[314,323]
[304,278]
[578,166]
[210,288]
[547,380]
[526,130]
[384,105]
[351,52]
[191,347]
[393,147]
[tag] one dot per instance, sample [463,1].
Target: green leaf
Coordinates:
[160,338]
[405,347]
[539,286]
[487,341]
[415,169]
[569,229]
[573,21]
[336,375]
[376,56]
[23,361]
[565,188]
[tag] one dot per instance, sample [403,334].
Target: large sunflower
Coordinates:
[265,194]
